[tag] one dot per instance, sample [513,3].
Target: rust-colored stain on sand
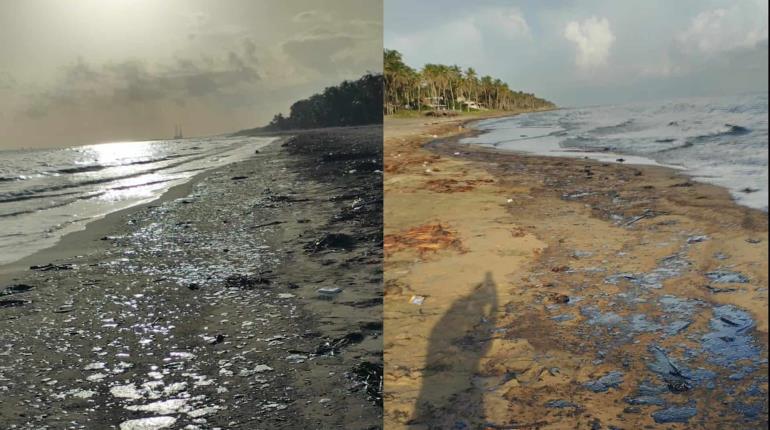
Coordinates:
[425,238]
[453,185]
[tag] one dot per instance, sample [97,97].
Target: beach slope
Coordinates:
[542,292]
[247,298]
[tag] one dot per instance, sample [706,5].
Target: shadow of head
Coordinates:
[448,398]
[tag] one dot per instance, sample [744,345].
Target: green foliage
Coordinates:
[438,86]
[356,102]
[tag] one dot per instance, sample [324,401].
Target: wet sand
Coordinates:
[202,309]
[565,293]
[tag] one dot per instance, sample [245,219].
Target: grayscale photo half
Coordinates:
[190,214]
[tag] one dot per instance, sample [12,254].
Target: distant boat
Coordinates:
[178,132]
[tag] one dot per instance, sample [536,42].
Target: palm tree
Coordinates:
[405,87]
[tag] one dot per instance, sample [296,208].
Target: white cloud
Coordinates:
[593,40]
[719,30]
[509,23]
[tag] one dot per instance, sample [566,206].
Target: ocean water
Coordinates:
[720,140]
[47,193]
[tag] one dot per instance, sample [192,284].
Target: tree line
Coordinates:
[356,102]
[448,87]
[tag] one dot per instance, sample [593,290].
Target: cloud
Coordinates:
[6,80]
[134,82]
[593,40]
[341,48]
[716,31]
[467,40]
[508,23]
[311,16]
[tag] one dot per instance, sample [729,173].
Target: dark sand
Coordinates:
[200,310]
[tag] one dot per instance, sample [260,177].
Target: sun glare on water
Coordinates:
[118,152]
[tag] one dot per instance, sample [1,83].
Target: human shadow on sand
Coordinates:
[448,398]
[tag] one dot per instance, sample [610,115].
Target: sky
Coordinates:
[591,52]
[89,71]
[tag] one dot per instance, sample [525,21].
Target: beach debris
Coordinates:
[333,346]
[417,300]
[697,239]
[370,376]
[715,290]
[152,423]
[674,414]
[267,224]
[727,277]
[332,241]
[576,195]
[620,160]
[558,298]
[561,404]
[259,368]
[753,240]
[596,317]
[676,327]
[563,317]
[329,292]
[729,340]
[648,213]
[645,400]
[217,339]
[64,309]
[581,254]
[286,296]
[296,358]
[53,267]
[12,303]
[15,289]
[610,380]
[238,178]
[246,282]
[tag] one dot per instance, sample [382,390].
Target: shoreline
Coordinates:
[611,157]
[526,224]
[87,238]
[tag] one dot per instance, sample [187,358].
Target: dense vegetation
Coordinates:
[349,103]
[448,87]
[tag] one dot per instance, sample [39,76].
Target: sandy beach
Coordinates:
[531,292]
[249,297]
